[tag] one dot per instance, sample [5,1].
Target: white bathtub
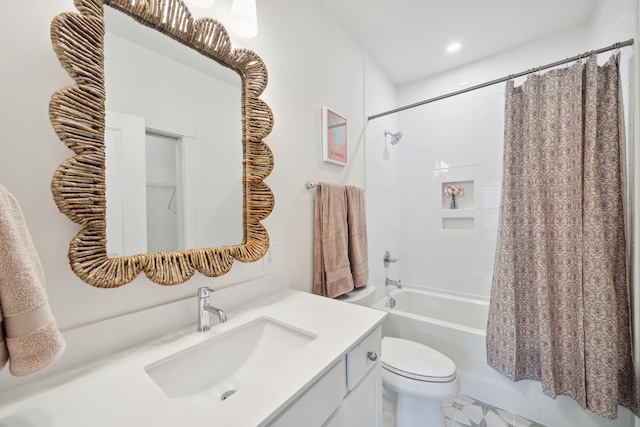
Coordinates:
[456,326]
[469,314]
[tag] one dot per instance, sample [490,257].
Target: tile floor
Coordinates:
[465,411]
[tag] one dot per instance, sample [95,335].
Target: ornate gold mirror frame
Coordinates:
[77,114]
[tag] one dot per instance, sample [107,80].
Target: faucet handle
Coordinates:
[204,292]
[387,259]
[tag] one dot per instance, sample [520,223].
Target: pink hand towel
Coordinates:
[358,245]
[332,272]
[29,338]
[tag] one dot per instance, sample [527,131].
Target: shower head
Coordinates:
[395,137]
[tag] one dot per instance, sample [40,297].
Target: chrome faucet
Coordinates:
[397,283]
[204,310]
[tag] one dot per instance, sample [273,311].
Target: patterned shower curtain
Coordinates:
[559,310]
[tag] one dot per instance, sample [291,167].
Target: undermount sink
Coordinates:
[223,364]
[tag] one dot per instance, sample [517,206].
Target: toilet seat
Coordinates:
[416,361]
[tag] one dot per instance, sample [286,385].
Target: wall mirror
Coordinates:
[201,175]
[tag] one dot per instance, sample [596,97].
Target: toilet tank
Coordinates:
[360,296]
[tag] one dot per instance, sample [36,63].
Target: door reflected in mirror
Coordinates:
[188,194]
[165,218]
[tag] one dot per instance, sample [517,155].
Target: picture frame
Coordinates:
[334,137]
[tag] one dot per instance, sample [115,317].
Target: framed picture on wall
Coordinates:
[334,137]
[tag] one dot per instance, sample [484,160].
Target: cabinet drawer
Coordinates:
[363,357]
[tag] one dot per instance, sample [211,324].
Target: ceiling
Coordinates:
[408,38]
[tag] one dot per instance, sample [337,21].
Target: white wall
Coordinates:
[312,62]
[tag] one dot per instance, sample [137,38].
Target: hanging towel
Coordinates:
[29,338]
[358,249]
[332,272]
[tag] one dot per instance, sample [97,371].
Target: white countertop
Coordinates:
[116,390]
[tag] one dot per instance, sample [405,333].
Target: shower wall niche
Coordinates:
[462,216]
[464,201]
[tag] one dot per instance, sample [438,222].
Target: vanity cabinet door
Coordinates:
[363,405]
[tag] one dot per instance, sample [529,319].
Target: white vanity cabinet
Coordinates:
[349,394]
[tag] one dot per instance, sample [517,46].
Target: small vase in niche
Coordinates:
[453,191]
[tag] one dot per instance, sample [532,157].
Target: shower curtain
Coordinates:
[559,310]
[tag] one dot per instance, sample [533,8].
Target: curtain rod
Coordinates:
[504,79]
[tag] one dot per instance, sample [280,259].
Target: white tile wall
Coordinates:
[454,140]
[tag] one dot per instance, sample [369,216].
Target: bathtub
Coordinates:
[453,311]
[456,326]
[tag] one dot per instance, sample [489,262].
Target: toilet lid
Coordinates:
[358,294]
[414,360]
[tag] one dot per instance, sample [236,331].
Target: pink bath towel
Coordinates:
[357,223]
[29,338]
[332,272]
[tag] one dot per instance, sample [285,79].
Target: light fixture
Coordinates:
[204,4]
[244,20]
[453,47]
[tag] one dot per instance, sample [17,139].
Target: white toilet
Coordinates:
[415,377]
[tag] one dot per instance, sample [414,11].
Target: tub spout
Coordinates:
[396,283]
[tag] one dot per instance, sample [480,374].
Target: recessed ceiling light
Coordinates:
[453,47]
[464,82]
